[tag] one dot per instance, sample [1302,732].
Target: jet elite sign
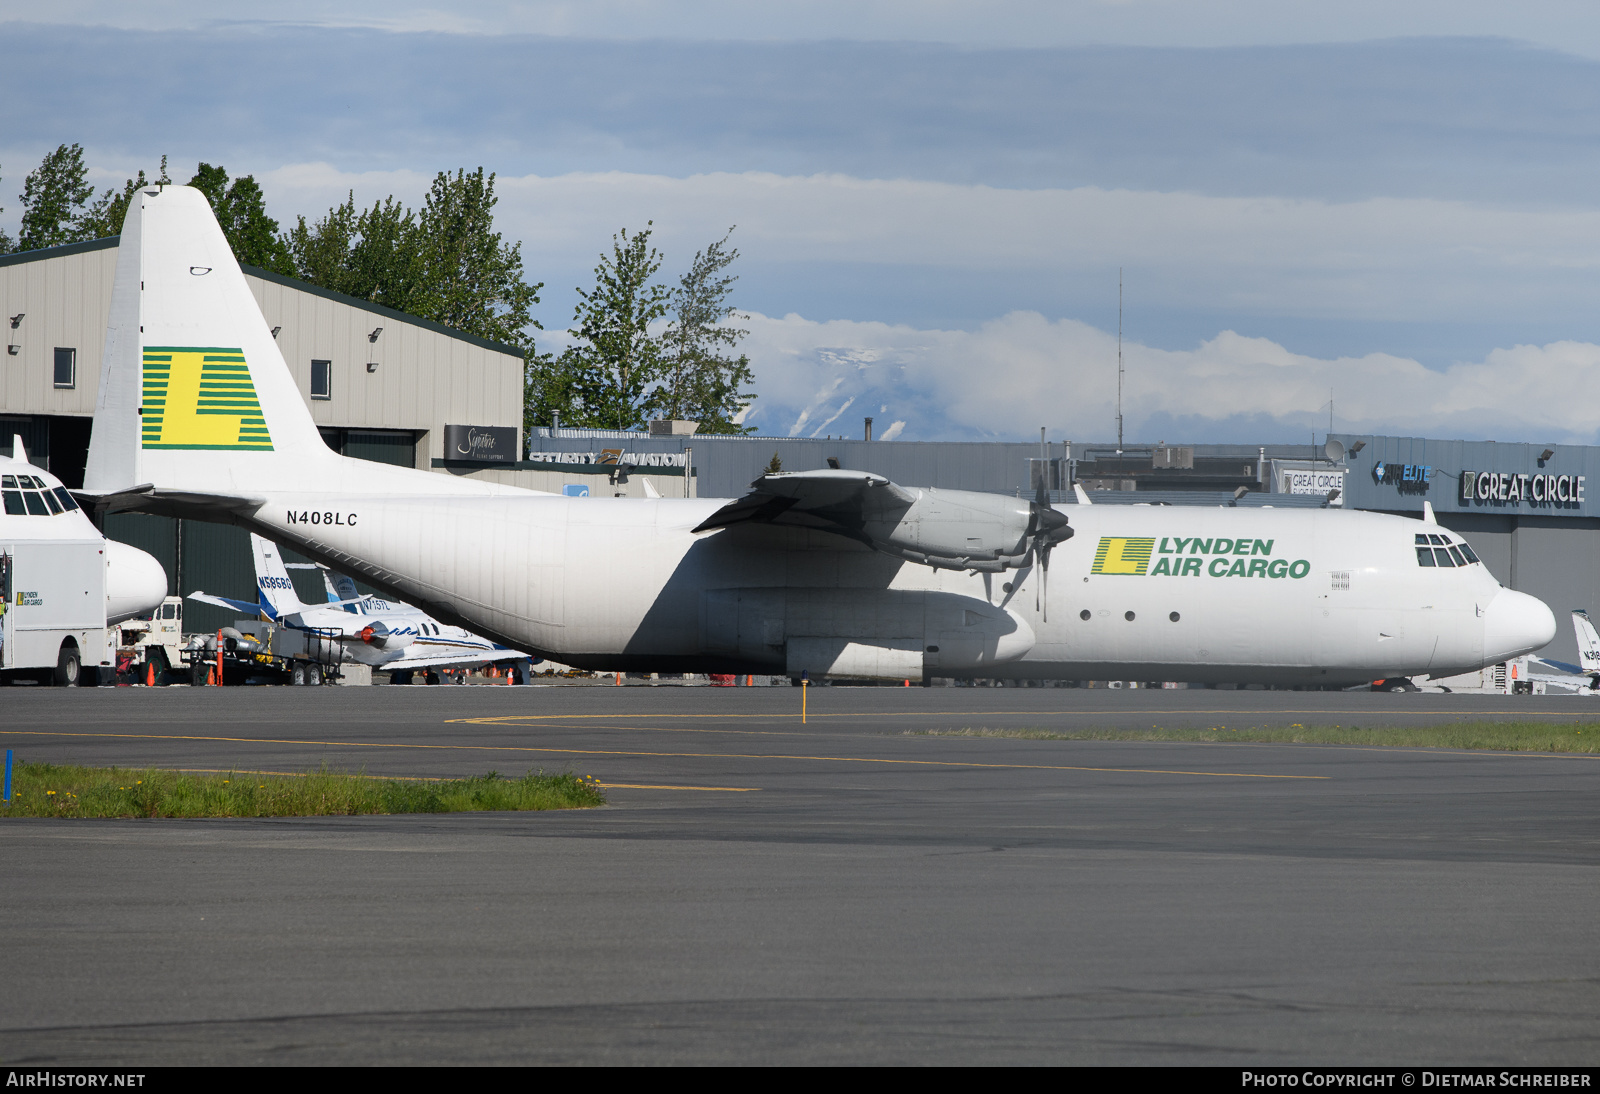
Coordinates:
[1178,556]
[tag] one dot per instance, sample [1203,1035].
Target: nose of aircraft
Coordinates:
[1514,624]
[135,582]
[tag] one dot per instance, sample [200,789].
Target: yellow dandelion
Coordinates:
[48,792]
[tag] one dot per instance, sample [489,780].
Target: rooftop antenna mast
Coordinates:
[1119,360]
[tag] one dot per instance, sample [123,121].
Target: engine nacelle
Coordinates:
[384,635]
[959,529]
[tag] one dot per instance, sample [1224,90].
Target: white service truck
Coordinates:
[62,581]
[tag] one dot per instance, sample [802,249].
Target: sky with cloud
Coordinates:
[1393,203]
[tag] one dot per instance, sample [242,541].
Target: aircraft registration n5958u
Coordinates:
[830,572]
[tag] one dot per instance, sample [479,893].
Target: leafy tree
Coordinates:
[104,218]
[470,279]
[241,210]
[320,250]
[608,376]
[448,264]
[52,200]
[701,378]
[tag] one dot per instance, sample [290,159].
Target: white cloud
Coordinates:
[1022,371]
[1378,259]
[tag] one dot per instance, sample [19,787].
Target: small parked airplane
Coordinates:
[393,638]
[1584,677]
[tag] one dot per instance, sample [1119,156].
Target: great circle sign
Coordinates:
[1506,488]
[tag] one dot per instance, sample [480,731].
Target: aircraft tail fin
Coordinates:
[195,397]
[1588,641]
[343,589]
[193,391]
[278,596]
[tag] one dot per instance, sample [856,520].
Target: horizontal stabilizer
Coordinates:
[148,499]
[242,606]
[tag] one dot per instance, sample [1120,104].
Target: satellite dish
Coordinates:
[1334,450]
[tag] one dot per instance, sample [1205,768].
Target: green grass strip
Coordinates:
[1491,736]
[58,790]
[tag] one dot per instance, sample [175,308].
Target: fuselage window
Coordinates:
[1424,555]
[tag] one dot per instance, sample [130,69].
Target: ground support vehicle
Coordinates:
[262,653]
[53,612]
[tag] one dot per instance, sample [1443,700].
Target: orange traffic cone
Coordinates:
[149,674]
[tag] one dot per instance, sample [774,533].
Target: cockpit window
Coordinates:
[8,481]
[1438,550]
[65,497]
[35,503]
[51,500]
[14,506]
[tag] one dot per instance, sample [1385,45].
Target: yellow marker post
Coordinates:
[804,686]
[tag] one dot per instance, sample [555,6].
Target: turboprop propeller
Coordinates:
[1046,528]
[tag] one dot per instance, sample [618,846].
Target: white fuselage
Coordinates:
[1318,596]
[385,635]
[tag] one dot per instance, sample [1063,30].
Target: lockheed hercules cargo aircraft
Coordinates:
[827,572]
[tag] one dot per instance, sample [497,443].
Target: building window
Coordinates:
[66,367]
[321,379]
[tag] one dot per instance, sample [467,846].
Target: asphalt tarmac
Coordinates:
[840,891]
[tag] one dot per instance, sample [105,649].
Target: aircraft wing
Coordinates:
[1562,665]
[831,500]
[244,606]
[441,660]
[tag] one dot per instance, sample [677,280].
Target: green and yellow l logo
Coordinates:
[200,397]
[1122,556]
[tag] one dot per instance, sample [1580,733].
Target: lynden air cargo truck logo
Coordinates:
[1122,556]
[201,397]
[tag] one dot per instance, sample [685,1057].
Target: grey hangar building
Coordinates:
[395,388]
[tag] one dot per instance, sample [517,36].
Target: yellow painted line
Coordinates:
[668,755]
[649,786]
[1460,715]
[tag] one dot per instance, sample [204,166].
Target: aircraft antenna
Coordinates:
[1119,360]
